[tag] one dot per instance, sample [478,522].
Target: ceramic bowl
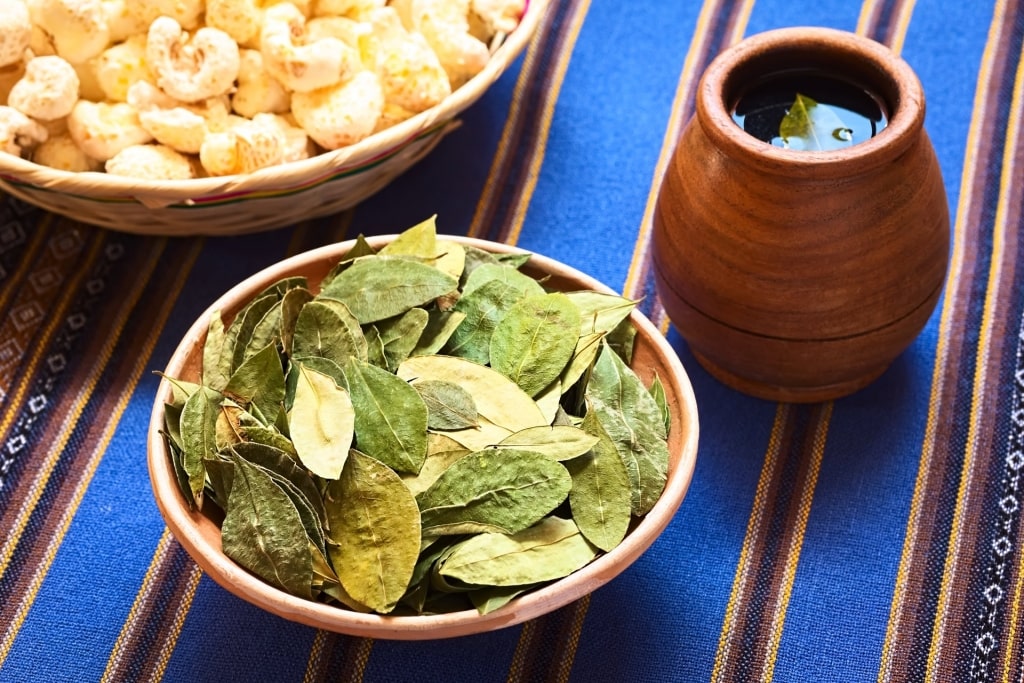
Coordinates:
[199,533]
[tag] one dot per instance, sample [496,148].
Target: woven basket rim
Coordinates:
[158,193]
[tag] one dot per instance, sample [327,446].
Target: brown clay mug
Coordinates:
[801,275]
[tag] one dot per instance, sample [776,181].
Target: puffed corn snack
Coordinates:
[175,89]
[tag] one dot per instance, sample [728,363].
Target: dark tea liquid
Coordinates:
[761,108]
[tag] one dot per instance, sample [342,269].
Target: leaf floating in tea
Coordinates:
[534,341]
[379,287]
[633,421]
[810,126]
[321,422]
[390,417]
[263,532]
[550,550]
[494,490]
[375,529]
[449,406]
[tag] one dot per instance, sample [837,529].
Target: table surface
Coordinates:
[874,538]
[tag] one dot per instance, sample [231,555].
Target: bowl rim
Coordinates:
[182,522]
[289,176]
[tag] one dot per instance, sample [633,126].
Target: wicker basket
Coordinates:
[271,197]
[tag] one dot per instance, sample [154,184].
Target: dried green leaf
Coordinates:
[503,407]
[420,241]
[657,391]
[633,421]
[375,528]
[390,417]
[496,489]
[259,380]
[263,532]
[399,336]
[380,287]
[215,372]
[450,258]
[284,465]
[266,332]
[439,329]
[558,443]
[268,436]
[321,423]
[490,598]
[292,304]
[601,495]
[508,274]
[547,551]
[199,436]
[483,309]
[244,324]
[433,467]
[449,406]
[600,312]
[180,389]
[532,344]
[326,328]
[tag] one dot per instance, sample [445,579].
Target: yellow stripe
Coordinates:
[68,427]
[526,636]
[564,664]
[42,345]
[180,612]
[114,660]
[540,145]
[739,584]
[867,13]
[793,553]
[978,398]
[902,23]
[525,80]
[889,651]
[26,261]
[316,652]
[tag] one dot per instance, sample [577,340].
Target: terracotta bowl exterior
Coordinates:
[199,532]
[794,275]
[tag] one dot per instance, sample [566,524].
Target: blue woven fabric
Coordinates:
[908,565]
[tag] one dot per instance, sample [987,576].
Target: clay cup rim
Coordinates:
[865,62]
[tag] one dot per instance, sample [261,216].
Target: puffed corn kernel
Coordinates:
[15,31]
[102,129]
[242,149]
[47,91]
[341,114]
[191,69]
[299,64]
[150,162]
[78,28]
[61,152]
[121,65]
[18,132]
[257,90]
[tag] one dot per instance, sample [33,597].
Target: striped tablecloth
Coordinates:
[875,538]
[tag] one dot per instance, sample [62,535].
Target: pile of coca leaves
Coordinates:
[432,431]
